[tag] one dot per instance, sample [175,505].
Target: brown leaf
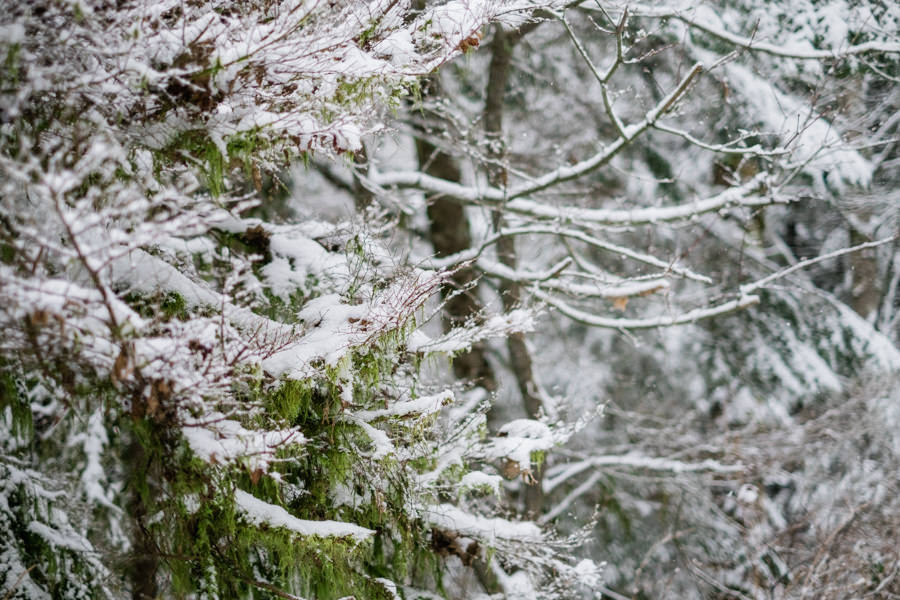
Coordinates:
[122,368]
[257,178]
[152,403]
[39,317]
[470,42]
[511,469]
[649,291]
[255,475]
[620,303]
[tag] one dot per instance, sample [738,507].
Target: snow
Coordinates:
[218,439]
[453,518]
[479,480]
[518,439]
[58,297]
[589,573]
[12,33]
[329,335]
[58,540]
[262,514]
[398,48]
[459,339]
[382,442]
[426,405]
[93,476]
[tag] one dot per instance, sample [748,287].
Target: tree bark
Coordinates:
[502,48]
[865,295]
[449,233]
[143,561]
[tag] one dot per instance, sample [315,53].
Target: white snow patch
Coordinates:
[426,405]
[217,439]
[447,516]
[518,439]
[481,480]
[261,513]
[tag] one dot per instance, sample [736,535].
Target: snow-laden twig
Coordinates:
[562,473]
[745,195]
[729,148]
[700,20]
[549,280]
[685,318]
[762,283]
[668,268]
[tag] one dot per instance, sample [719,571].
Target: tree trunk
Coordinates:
[449,233]
[143,562]
[865,295]
[502,48]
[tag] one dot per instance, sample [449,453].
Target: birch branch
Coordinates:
[743,195]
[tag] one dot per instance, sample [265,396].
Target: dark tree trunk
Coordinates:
[143,561]
[449,233]
[502,48]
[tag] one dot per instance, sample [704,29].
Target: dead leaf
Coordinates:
[511,469]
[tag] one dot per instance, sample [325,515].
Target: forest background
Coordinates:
[466,299]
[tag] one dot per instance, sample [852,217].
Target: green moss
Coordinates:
[9,76]
[291,399]
[246,147]
[195,146]
[215,170]
[19,408]
[281,309]
[173,306]
[162,305]
[537,458]
[208,544]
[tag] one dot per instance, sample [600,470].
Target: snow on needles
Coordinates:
[263,514]
[219,440]
[454,518]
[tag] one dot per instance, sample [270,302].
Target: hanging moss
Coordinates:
[292,399]
[22,424]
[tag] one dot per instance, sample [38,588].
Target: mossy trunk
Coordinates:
[143,559]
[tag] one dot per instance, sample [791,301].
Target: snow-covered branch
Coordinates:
[705,19]
[749,288]
[562,473]
[691,316]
